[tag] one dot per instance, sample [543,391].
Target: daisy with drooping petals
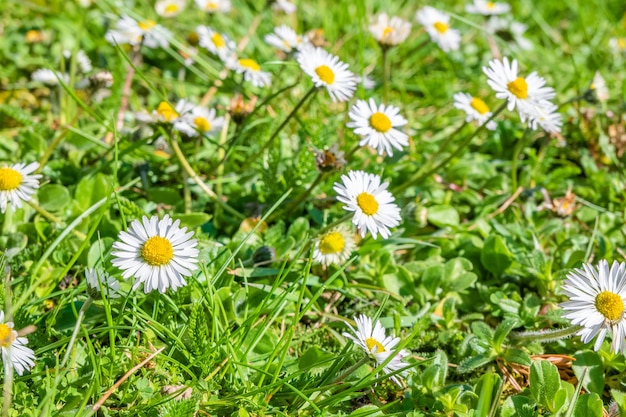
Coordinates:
[377,345]
[214,6]
[147,33]
[334,246]
[216,43]
[390,32]
[251,71]
[170,8]
[158,253]
[377,124]
[525,93]
[326,70]
[547,117]
[437,25]
[285,39]
[17,184]
[15,354]
[373,206]
[474,108]
[200,121]
[284,6]
[100,283]
[487,8]
[597,299]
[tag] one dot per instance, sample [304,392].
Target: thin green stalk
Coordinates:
[545,335]
[386,73]
[516,151]
[70,345]
[54,219]
[350,370]
[7,388]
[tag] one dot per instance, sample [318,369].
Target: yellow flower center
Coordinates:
[33,36]
[332,243]
[171,8]
[373,343]
[10,179]
[519,87]
[326,74]
[250,64]
[7,337]
[380,122]
[621,43]
[479,105]
[147,25]
[387,31]
[217,40]
[491,5]
[441,27]
[157,251]
[367,203]
[211,6]
[166,111]
[610,305]
[202,124]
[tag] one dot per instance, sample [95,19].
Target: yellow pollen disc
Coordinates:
[479,105]
[380,122]
[210,6]
[387,31]
[157,251]
[610,305]
[147,25]
[519,87]
[491,5]
[373,343]
[621,43]
[250,64]
[166,111]
[332,243]
[367,203]
[326,74]
[171,8]
[441,27]
[217,40]
[33,36]
[10,179]
[7,337]
[202,124]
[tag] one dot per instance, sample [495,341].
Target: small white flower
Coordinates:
[147,32]
[597,296]
[547,117]
[599,88]
[284,6]
[15,354]
[525,93]
[285,39]
[366,82]
[390,32]
[437,25]
[373,206]
[158,253]
[200,121]
[216,43]
[376,124]
[251,71]
[17,184]
[165,113]
[617,45]
[83,61]
[474,108]
[214,6]
[509,30]
[326,70]
[334,246]
[99,281]
[377,345]
[170,8]
[49,77]
[487,8]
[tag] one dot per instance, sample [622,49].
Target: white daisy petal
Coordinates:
[17,184]
[437,25]
[327,71]
[15,354]
[377,126]
[334,246]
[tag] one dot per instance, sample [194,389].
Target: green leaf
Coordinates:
[442,216]
[517,356]
[473,362]
[503,329]
[496,256]
[92,189]
[588,405]
[482,330]
[314,358]
[98,251]
[519,406]
[544,383]
[192,220]
[488,389]
[620,400]
[53,197]
[594,378]
[456,276]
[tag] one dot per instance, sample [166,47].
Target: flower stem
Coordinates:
[54,219]
[7,388]
[545,335]
[79,320]
[350,370]
[516,151]
[386,73]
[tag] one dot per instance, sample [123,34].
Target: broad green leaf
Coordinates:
[544,383]
[588,405]
[519,406]
[53,197]
[192,220]
[314,358]
[594,378]
[517,356]
[443,216]
[496,256]
[473,362]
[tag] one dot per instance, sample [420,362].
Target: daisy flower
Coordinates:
[377,345]
[251,71]
[285,39]
[214,6]
[617,45]
[83,61]
[49,77]
[510,31]
[437,25]
[598,88]
[390,32]
[17,184]
[98,280]
[547,117]
[147,33]
[165,112]
[525,93]
[474,108]
[326,70]
[216,43]
[373,206]
[169,8]
[284,6]
[487,8]
[377,124]
[158,254]
[200,121]
[597,296]
[334,246]
[15,354]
